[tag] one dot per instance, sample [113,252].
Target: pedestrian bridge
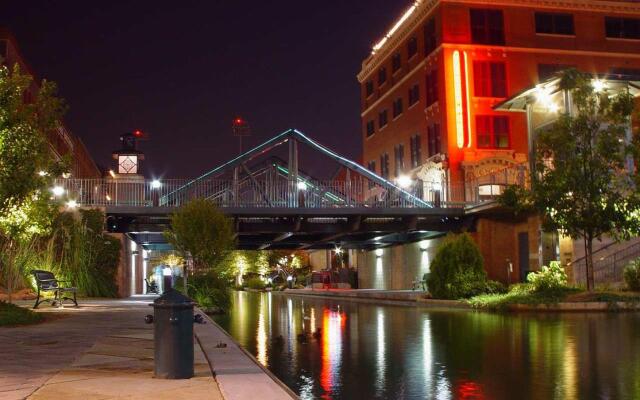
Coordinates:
[276,204]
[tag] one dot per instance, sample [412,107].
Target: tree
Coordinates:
[27,169]
[201,231]
[23,138]
[581,185]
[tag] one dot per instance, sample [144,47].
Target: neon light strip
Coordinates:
[467,103]
[457,92]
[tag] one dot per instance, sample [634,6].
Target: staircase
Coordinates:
[608,263]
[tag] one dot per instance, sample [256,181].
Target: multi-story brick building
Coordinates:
[61,141]
[430,85]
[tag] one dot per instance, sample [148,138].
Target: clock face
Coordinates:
[128,164]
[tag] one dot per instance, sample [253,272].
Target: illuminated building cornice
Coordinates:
[404,26]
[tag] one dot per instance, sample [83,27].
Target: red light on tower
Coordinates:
[138,133]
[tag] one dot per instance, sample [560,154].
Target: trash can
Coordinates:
[173,335]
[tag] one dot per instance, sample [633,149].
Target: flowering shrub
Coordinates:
[550,278]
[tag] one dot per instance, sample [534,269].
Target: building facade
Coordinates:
[430,86]
[61,141]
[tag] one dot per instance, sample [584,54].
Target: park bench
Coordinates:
[47,282]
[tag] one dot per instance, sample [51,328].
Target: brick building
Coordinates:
[61,141]
[430,85]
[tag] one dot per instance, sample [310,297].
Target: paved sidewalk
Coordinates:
[101,350]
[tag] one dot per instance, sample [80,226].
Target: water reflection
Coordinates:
[341,350]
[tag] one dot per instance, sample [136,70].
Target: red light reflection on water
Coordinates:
[469,390]
[333,325]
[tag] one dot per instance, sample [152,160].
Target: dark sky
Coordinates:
[181,70]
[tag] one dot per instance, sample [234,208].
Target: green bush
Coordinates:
[457,269]
[494,287]
[209,291]
[255,283]
[549,279]
[632,275]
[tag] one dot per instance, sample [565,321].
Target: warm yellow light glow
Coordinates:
[598,85]
[43,173]
[543,97]
[57,190]
[108,197]
[72,204]
[457,93]
[404,181]
[113,174]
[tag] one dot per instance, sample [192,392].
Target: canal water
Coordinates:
[369,351]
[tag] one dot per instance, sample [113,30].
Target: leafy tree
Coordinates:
[23,138]
[581,185]
[200,230]
[26,211]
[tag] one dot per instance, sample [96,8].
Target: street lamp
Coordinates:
[156,184]
[57,191]
[71,204]
[404,181]
[302,185]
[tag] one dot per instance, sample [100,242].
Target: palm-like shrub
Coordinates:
[457,269]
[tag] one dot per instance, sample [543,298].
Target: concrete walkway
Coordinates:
[101,350]
[239,375]
[104,350]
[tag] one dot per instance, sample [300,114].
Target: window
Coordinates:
[430,39]
[371,128]
[369,88]
[487,26]
[396,62]
[557,24]
[622,28]
[546,71]
[398,152]
[382,119]
[492,132]
[414,94]
[489,79]
[416,155]
[397,107]
[625,73]
[384,165]
[432,87]
[412,47]
[434,139]
[382,76]
[371,166]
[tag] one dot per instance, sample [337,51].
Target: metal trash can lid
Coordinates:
[173,299]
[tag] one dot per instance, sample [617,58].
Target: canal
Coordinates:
[332,349]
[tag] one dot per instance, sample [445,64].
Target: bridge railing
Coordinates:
[251,193]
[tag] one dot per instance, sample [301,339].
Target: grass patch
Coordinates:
[11,315]
[520,294]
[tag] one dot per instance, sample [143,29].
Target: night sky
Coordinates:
[182,70]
